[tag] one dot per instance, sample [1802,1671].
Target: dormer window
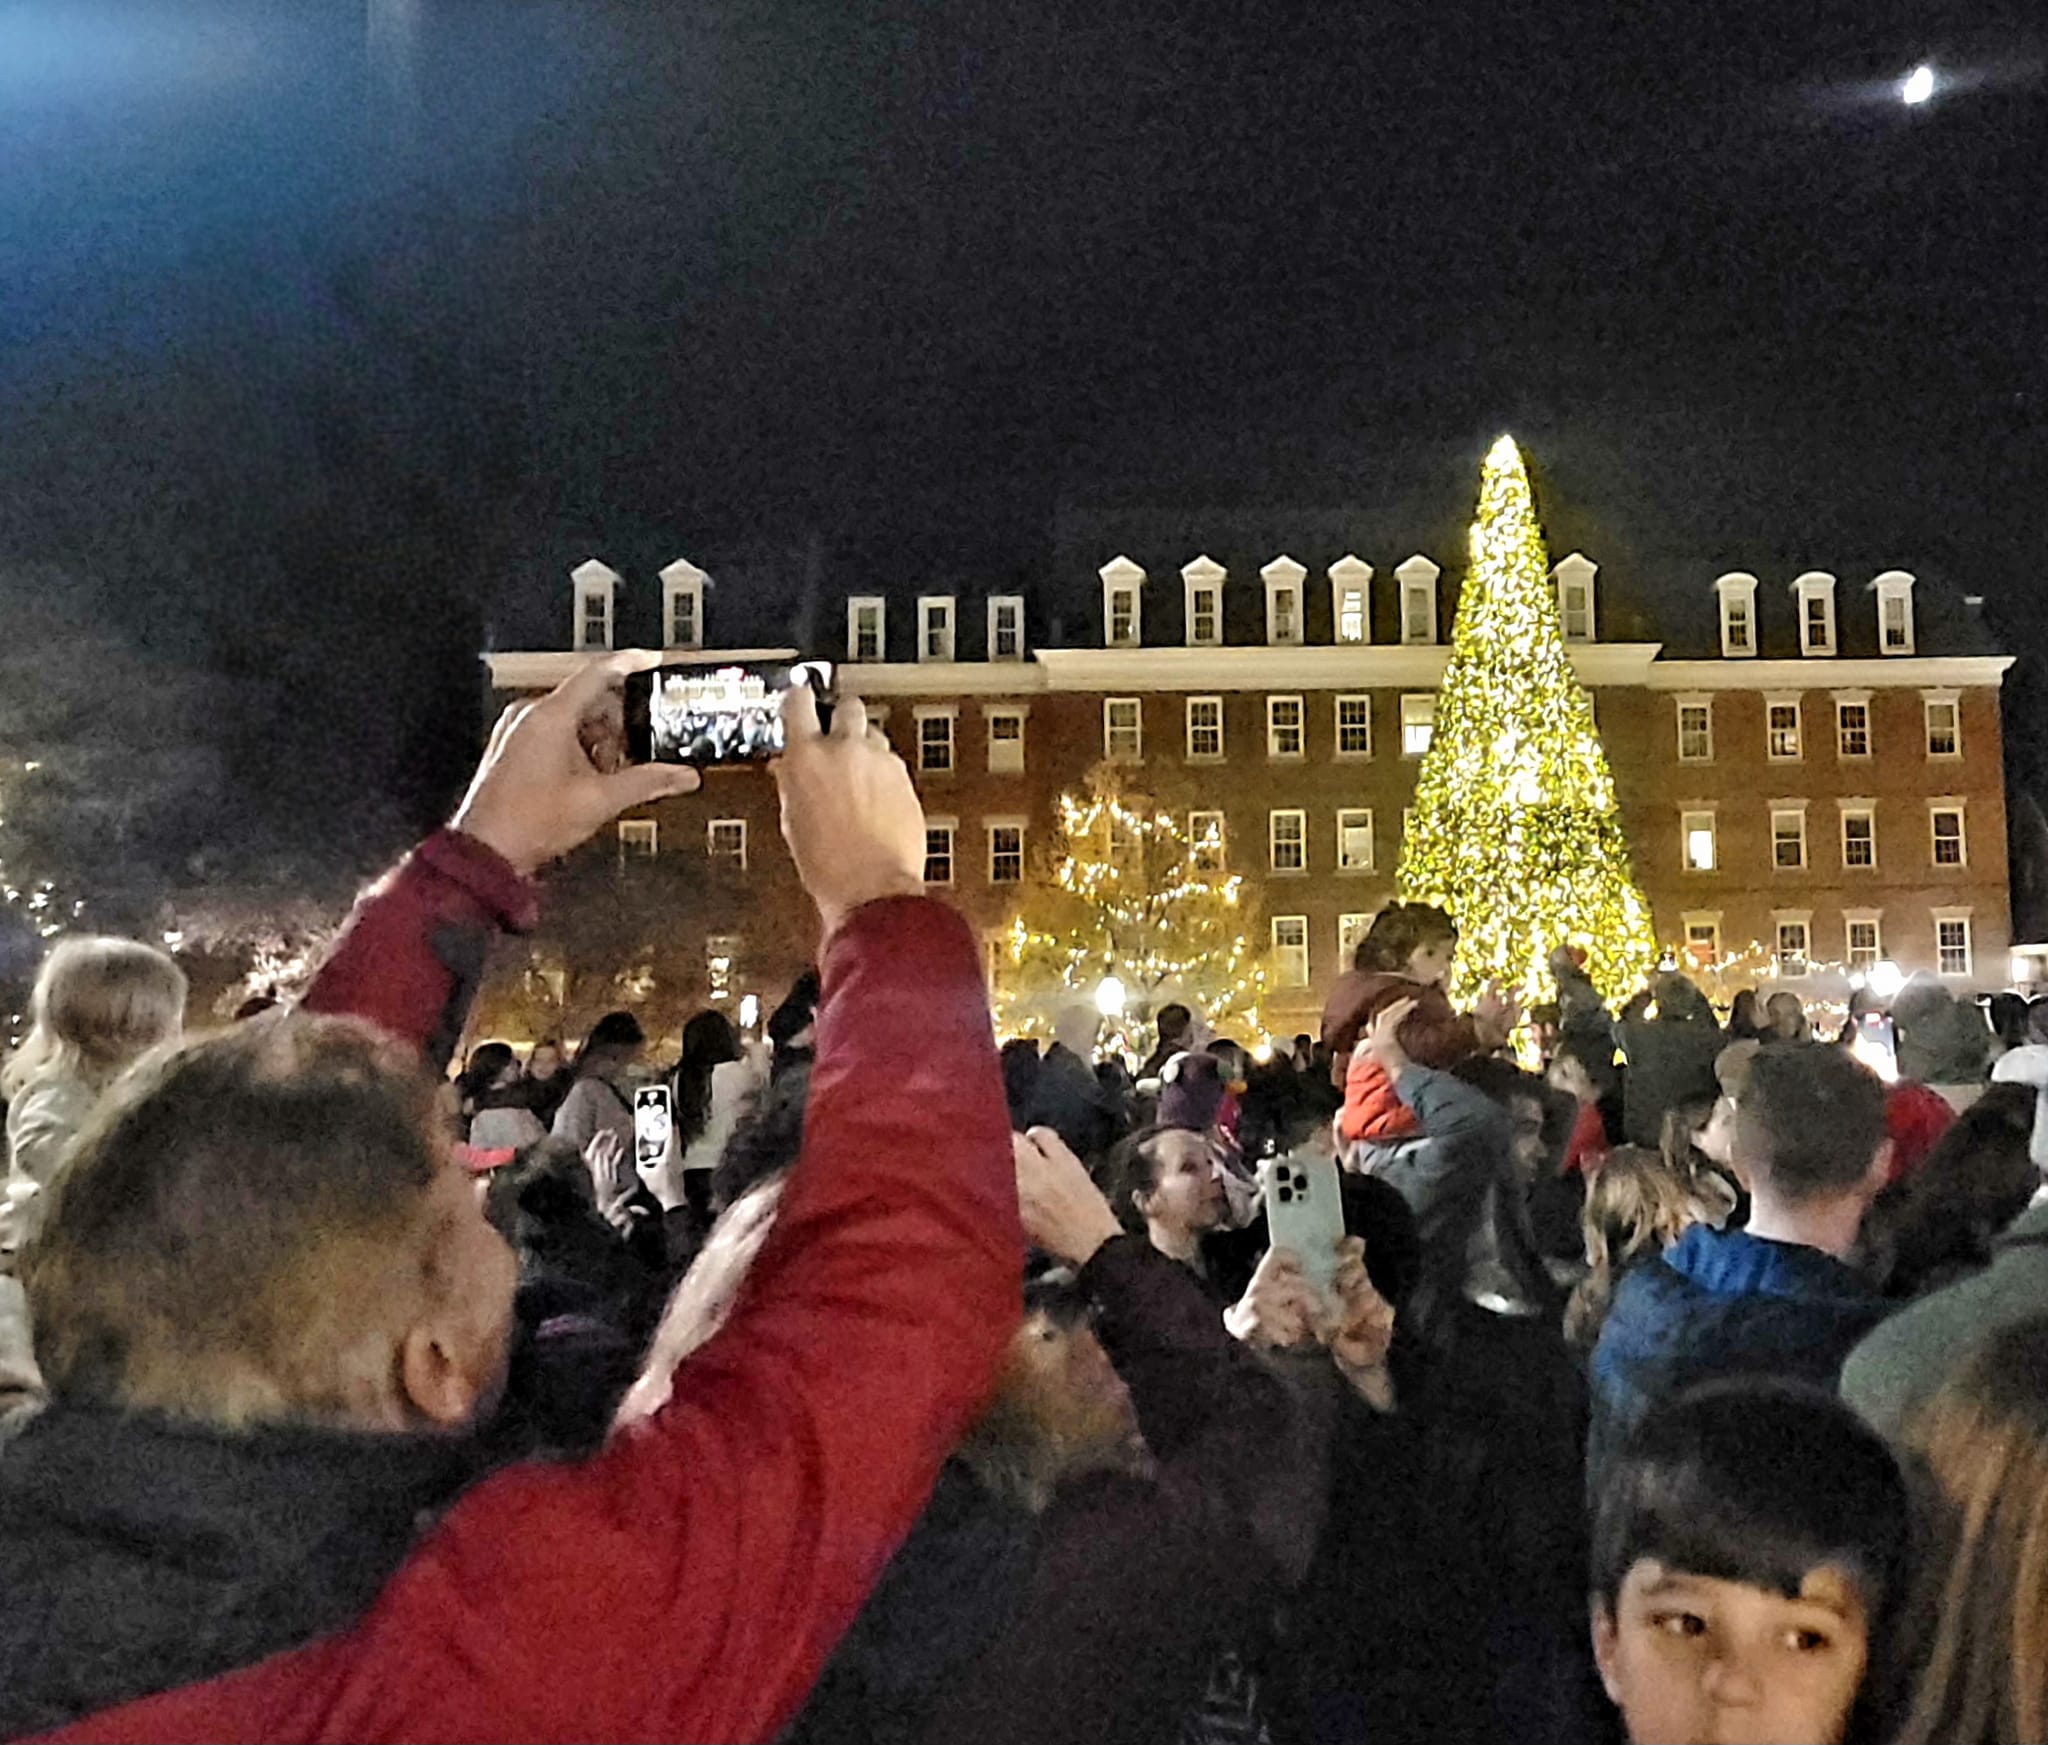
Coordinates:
[1283,578]
[1418,578]
[1575,597]
[1122,625]
[1203,579]
[1738,616]
[1006,627]
[596,588]
[682,605]
[865,628]
[1894,612]
[1351,599]
[935,627]
[1816,591]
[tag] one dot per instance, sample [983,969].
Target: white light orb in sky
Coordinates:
[1919,85]
[1109,997]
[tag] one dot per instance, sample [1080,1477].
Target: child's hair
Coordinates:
[1683,1157]
[1984,1438]
[99,1005]
[1759,1482]
[1400,930]
[1637,1205]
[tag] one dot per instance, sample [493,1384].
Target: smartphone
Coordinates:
[1876,1044]
[1305,1212]
[652,1120]
[709,716]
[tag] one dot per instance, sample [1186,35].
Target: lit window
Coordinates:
[1792,949]
[1788,840]
[1351,615]
[1006,627]
[938,853]
[1736,637]
[1354,839]
[1205,833]
[1866,946]
[1816,613]
[1005,741]
[725,840]
[935,744]
[1205,728]
[1418,722]
[1859,837]
[639,837]
[1418,607]
[1123,732]
[1852,729]
[1703,939]
[864,629]
[935,634]
[1290,950]
[1283,727]
[1205,617]
[1783,732]
[1950,848]
[1350,930]
[1952,945]
[721,952]
[1005,853]
[1695,732]
[1354,726]
[1944,728]
[1696,835]
[1289,833]
[1575,609]
[1123,617]
[1896,613]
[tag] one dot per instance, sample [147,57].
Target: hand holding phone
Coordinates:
[712,716]
[1305,1214]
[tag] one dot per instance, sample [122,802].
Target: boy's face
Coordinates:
[1695,1658]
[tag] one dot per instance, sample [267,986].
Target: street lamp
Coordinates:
[1109,997]
[1886,979]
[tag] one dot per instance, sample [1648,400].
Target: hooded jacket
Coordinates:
[1722,1303]
[1435,1034]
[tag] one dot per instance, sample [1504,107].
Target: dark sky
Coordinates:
[317,342]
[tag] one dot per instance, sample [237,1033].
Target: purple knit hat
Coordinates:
[1191,1092]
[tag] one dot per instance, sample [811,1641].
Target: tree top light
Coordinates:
[1919,85]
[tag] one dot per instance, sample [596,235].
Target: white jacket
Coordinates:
[42,1122]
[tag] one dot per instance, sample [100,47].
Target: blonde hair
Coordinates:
[100,1005]
[1984,1438]
[1637,1205]
[241,1223]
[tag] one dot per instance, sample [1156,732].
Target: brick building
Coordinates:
[1809,763]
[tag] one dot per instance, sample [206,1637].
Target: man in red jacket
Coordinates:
[689,1581]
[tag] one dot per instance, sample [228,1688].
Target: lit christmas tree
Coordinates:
[1124,895]
[1515,829]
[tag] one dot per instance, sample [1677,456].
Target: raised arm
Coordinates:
[413,952]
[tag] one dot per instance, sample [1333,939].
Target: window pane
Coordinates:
[1354,726]
[1952,944]
[1864,949]
[1283,726]
[1948,839]
[1354,840]
[935,743]
[1784,730]
[1942,733]
[1205,833]
[1005,854]
[1698,831]
[1351,616]
[1788,840]
[1205,727]
[1853,722]
[1290,950]
[1737,623]
[1792,948]
[938,854]
[1290,841]
[1695,733]
[1418,721]
[1859,839]
[726,841]
[1285,615]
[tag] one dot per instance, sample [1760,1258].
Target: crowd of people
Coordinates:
[1692,1387]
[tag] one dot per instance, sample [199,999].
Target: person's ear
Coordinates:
[441,1380]
[1607,1648]
[1880,1170]
[1141,1200]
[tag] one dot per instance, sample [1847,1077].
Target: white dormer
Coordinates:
[1894,591]
[935,627]
[1737,591]
[1203,579]
[1816,592]
[1123,624]
[1351,599]
[1418,599]
[1284,601]
[682,605]
[1575,597]
[597,587]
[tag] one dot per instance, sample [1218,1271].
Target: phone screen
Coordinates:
[651,1120]
[1875,1043]
[707,716]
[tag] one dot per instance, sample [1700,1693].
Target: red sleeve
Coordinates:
[413,953]
[689,1581]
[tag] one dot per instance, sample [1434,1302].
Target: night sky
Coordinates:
[321,342]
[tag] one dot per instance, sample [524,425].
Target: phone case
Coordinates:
[1305,1212]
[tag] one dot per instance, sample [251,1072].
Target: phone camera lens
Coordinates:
[1286,1194]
